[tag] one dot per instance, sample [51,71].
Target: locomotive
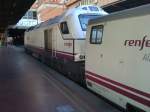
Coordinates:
[60,42]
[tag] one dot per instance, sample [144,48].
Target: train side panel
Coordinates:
[118,68]
[34,42]
[36,38]
[64,44]
[63,55]
[79,50]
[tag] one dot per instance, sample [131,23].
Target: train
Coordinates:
[118,58]
[109,54]
[60,41]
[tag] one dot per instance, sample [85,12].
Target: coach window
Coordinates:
[30,15]
[96,34]
[64,28]
[34,15]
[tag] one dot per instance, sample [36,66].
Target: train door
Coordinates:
[54,51]
[45,39]
[48,39]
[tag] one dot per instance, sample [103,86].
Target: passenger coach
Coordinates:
[118,58]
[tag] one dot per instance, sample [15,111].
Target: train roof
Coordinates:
[138,11]
[51,21]
[46,23]
[57,19]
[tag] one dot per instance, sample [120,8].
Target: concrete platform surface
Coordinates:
[27,85]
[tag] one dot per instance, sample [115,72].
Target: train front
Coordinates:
[81,16]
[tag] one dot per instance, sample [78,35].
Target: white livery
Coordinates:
[118,58]
[60,42]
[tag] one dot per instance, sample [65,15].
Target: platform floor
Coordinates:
[27,85]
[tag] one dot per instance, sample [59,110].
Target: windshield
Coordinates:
[84,20]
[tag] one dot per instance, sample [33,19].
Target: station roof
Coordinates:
[124,4]
[11,11]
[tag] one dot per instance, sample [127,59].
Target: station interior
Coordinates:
[24,88]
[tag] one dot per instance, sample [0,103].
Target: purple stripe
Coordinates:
[121,85]
[59,54]
[120,91]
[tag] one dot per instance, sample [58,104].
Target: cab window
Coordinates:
[64,28]
[93,8]
[84,19]
[96,34]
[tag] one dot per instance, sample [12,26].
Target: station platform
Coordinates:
[26,85]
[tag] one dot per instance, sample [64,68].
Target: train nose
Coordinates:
[79,57]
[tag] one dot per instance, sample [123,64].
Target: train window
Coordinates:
[93,8]
[34,15]
[96,34]
[84,19]
[84,8]
[64,28]
[30,15]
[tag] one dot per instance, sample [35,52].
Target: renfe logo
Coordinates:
[138,43]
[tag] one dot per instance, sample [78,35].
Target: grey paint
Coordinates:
[138,11]
[47,23]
